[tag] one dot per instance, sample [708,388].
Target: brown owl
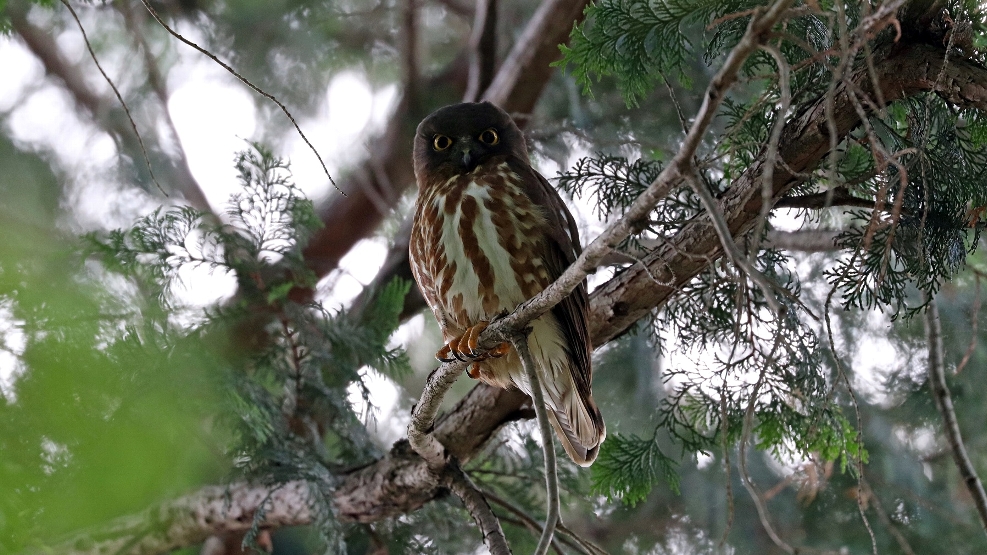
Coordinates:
[489,233]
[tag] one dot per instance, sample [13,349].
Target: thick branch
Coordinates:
[190,520]
[944,402]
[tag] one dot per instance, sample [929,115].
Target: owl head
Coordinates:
[456,139]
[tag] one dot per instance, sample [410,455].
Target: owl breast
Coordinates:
[475,245]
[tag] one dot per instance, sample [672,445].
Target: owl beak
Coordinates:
[467,161]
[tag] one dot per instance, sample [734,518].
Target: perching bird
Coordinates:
[489,233]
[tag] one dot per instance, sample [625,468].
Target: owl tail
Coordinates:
[577,422]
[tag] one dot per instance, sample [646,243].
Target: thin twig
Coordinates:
[116,91]
[745,477]
[883,515]
[974,320]
[573,540]
[727,242]
[520,342]
[246,82]
[944,402]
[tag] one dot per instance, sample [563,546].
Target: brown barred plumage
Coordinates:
[489,233]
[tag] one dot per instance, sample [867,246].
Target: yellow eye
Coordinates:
[441,142]
[489,137]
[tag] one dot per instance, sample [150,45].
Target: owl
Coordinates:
[489,232]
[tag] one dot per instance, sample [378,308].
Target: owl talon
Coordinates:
[466,348]
[499,350]
[472,338]
[474,371]
[442,355]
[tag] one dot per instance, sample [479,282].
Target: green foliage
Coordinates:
[629,467]
[122,384]
[934,198]
[638,42]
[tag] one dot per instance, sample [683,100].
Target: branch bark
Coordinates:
[944,402]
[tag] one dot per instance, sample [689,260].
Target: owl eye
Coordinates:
[441,142]
[489,137]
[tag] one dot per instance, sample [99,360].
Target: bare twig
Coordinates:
[520,342]
[116,92]
[135,25]
[745,477]
[729,246]
[940,392]
[568,537]
[246,82]
[899,538]
[974,321]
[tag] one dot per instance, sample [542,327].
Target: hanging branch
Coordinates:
[116,92]
[944,402]
[520,342]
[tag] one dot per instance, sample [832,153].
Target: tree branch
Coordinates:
[191,519]
[944,402]
[838,196]
[520,342]
[483,49]
[807,240]
[400,481]
[493,535]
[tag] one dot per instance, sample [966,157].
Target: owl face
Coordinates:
[456,139]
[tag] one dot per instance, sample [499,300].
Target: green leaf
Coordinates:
[629,467]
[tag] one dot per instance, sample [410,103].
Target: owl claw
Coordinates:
[474,371]
[466,348]
[442,355]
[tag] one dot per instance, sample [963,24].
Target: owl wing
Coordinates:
[563,249]
[581,438]
[419,261]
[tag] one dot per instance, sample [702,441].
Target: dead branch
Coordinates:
[944,401]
